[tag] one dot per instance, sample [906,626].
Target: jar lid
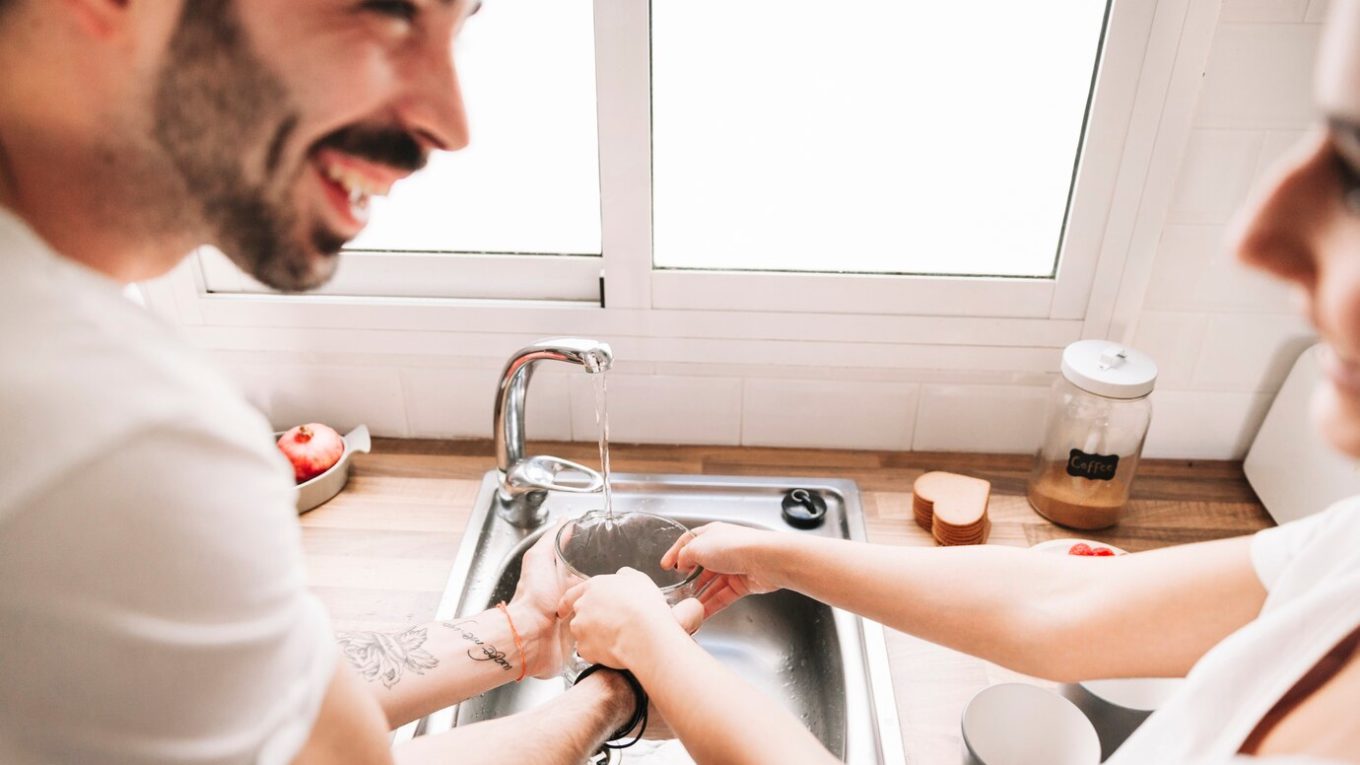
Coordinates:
[1109,369]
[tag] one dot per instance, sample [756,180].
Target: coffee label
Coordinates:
[1097,467]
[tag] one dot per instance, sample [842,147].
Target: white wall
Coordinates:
[1224,338]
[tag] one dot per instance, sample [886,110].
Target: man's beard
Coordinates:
[214,102]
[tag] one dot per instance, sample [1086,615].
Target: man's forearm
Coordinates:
[424,668]
[564,731]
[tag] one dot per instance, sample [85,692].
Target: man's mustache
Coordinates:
[388,146]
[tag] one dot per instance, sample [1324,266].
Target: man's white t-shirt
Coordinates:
[153,606]
[1311,568]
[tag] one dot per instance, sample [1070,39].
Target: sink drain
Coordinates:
[804,508]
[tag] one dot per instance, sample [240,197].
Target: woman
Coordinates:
[1266,626]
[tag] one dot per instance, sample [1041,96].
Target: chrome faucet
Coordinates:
[526,481]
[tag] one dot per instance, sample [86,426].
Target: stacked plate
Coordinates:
[952,507]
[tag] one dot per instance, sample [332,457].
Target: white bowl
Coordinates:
[1019,724]
[320,488]
[1117,707]
[1061,546]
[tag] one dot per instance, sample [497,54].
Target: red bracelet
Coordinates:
[519,644]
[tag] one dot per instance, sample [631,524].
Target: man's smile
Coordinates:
[348,182]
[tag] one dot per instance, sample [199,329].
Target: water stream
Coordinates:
[602,425]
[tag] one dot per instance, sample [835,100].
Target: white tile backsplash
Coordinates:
[1173,340]
[1216,174]
[1210,425]
[1183,256]
[1263,10]
[1259,77]
[1250,352]
[339,396]
[844,414]
[1228,285]
[661,410]
[458,403]
[974,418]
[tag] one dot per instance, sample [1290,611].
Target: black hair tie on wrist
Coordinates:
[640,702]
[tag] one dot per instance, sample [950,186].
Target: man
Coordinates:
[152,599]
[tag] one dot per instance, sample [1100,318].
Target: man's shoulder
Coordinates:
[88,370]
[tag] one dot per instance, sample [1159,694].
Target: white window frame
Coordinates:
[1151,65]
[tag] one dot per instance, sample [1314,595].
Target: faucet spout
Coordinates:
[522,490]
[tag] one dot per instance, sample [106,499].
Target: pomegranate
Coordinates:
[312,448]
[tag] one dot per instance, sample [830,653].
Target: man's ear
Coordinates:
[102,19]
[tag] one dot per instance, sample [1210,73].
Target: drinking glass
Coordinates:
[598,543]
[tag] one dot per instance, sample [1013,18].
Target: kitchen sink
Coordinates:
[827,666]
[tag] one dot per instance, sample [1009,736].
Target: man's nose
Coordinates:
[432,107]
[1279,230]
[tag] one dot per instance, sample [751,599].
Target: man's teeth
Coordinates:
[355,184]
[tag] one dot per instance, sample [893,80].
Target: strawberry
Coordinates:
[1102,552]
[1080,548]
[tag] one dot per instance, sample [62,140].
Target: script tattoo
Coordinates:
[386,655]
[483,651]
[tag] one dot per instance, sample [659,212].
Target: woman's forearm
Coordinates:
[1048,615]
[720,718]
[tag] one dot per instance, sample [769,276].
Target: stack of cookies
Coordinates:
[952,507]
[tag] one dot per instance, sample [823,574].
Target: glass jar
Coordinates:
[1097,419]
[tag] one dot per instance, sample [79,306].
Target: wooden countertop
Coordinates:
[379,554]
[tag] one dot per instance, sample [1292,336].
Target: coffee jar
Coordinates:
[1097,419]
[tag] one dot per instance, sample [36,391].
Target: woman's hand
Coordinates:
[616,619]
[729,556]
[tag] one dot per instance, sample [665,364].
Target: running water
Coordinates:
[602,424]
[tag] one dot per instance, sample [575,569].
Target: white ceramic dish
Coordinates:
[319,489]
[1061,546]
[1117,707]
[1020,724]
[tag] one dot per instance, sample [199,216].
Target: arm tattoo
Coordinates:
[481,650]
[386,655]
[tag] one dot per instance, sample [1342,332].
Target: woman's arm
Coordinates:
[623,621]
[1151,614]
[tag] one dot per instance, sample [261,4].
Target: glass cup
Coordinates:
[596,544]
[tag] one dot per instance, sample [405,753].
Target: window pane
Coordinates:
[529,181]
[865,136]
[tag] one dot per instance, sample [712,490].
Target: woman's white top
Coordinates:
[1311,568]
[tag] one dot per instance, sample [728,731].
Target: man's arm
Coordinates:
[428,667]
[564,731]
[1150,614]
[351,729]
[418,670]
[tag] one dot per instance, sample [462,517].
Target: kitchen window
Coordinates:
[719,181]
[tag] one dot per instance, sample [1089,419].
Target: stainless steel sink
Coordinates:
[828,667]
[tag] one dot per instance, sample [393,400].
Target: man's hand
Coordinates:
[534,607]
[615,619]
[727,553]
